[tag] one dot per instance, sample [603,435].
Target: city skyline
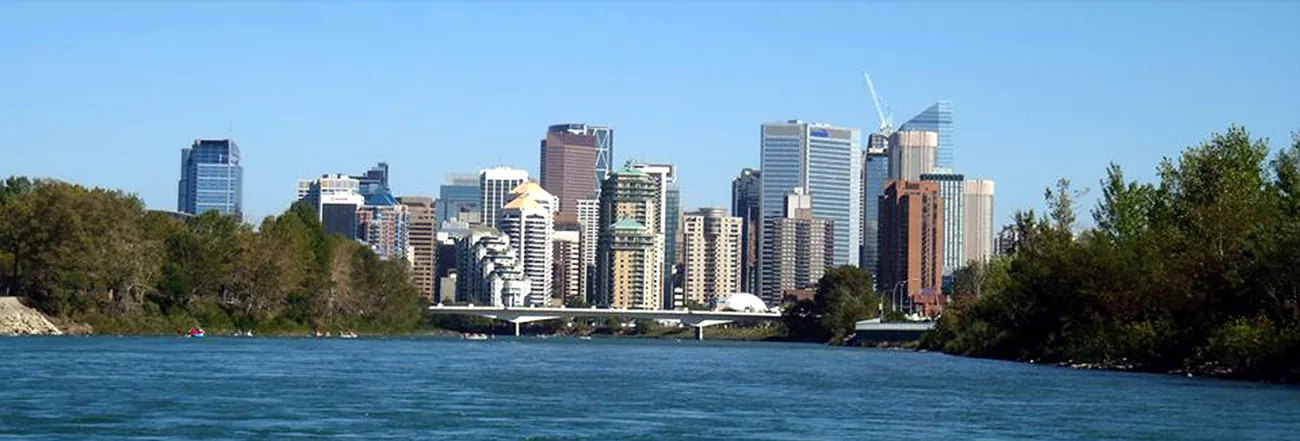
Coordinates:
[292,122]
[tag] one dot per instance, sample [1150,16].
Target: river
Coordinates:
[161,388]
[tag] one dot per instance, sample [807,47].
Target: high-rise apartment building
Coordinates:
[566,275]
[384,226]
[912,154]
[568,163]
[459,196]
[911,240]
[337,199]
[668,199]
[800,251]
[937,118]
[490,271]
[496,184]
[212,178]
[712,255]
[952,190]
[979,221]
[422,237]
[529,224]
[629,256]
[604,147]
[589,227]
[745,197]
[825,161]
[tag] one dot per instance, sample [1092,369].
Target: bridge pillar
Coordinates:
[516,328]
[700,323]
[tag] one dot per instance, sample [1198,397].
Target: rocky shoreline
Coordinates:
[18,319]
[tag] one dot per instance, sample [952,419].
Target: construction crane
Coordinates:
[886,119]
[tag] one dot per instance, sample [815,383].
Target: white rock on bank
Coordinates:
[18,319]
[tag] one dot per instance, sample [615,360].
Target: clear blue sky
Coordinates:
[107,93]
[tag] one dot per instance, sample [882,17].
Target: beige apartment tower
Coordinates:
[422,237]
[712,242]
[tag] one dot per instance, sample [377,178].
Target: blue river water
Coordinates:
[118,388]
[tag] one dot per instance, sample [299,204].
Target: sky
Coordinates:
[107,94]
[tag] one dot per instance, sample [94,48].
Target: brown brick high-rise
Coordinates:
[911,240]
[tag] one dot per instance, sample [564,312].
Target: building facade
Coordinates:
[712,255]
[937,118]
[337,199]
[952,190]
[875,173]
[912,154]
[589,238]
[668,200]
[422,238]
[826,162]
[566,274]
[495,185]
[604,146]
[491,273]
[568,163]
[801,249]
[979,221]
[911,241]
[629,260]
[745,197]
[212,178]
[529,224]
[458,196]
[385,228]
[374,182]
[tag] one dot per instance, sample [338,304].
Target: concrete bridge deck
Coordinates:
[519,315]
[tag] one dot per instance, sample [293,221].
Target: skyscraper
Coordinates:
[589,225]
[979,221]
[212,178]
[459,194]
[529,225]
[911,241]
[875,173]
[745,198]
[423,240]
[937,118]
[568,163]
[629,256]
[604,147]
[825,161]
[711,267]
[337,199]
[495,184]
[912,154]
[952,190]
[801,250]
[668,200]
[566,277]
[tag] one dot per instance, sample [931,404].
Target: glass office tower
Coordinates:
[937,118]
[212,178]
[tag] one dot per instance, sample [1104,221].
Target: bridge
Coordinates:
[874,330]
[697,319]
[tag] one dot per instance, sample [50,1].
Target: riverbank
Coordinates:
[19,319]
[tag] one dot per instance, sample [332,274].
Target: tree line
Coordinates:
[1197,272]
[97,256]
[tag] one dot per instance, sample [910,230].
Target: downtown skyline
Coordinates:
[668,106]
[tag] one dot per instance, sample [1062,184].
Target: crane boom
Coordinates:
[886,122]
